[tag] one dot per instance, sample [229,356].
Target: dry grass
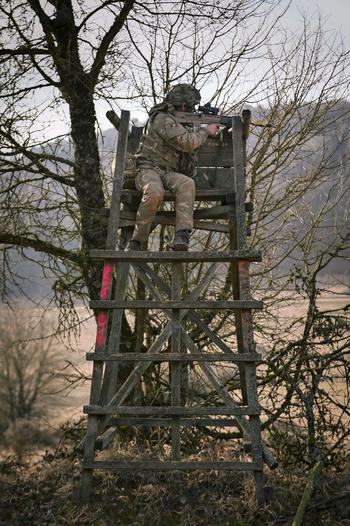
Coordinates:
[41,494]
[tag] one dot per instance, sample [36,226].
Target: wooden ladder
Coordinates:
[221,165]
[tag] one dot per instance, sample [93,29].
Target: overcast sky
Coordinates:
[336,13]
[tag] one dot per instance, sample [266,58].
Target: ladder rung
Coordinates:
[170,410]
[215,211]
[172,304]
[174,357]
[156,465]
[209,226]
[152,257]
[167,422]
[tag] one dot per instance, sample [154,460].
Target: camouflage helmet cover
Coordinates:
[183,94]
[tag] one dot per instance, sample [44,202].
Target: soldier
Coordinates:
[165,160]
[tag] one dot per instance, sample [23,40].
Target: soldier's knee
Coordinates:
[189,185]
[153,194]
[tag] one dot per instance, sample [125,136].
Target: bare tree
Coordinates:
[306,390]
[29,365]
[236,53]
[59,59]
[46,56]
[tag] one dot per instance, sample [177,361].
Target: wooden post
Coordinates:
[175,368]
[127,144]
[113,225]
[255,432]
[102,318]
[238,233]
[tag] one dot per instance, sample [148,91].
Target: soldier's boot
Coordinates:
[181,240]
[134,244]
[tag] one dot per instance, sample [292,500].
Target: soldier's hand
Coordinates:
[213,129]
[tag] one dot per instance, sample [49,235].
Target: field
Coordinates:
[38,483]
[68,405]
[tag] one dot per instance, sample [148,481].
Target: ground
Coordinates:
[41,490]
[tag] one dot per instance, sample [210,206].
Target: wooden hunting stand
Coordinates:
[220,179]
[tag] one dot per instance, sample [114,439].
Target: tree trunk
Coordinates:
[88,181]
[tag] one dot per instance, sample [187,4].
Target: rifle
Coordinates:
[208,109]
[226,121]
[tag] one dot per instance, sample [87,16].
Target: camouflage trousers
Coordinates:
[152,182]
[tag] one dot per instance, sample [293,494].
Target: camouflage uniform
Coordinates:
[164,147]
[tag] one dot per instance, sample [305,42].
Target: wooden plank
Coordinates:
[154,465]
[105,293]
[255,431]
[128,196]
[134,136]
[134,139]
[214,212]
[217,178]
[194,317]
[169,410]
[175,357]
[237,222]
[174,304]
[107,275]
[128,213]
[113,118]
[198,225]
[166,257]
[214,153]
[106,439]
[167,422]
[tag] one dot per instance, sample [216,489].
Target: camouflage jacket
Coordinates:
[170,145]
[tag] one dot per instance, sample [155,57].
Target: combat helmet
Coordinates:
[183,94]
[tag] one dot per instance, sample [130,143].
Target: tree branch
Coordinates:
[39,246]
[37,158]
[24,51]
[108,38]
